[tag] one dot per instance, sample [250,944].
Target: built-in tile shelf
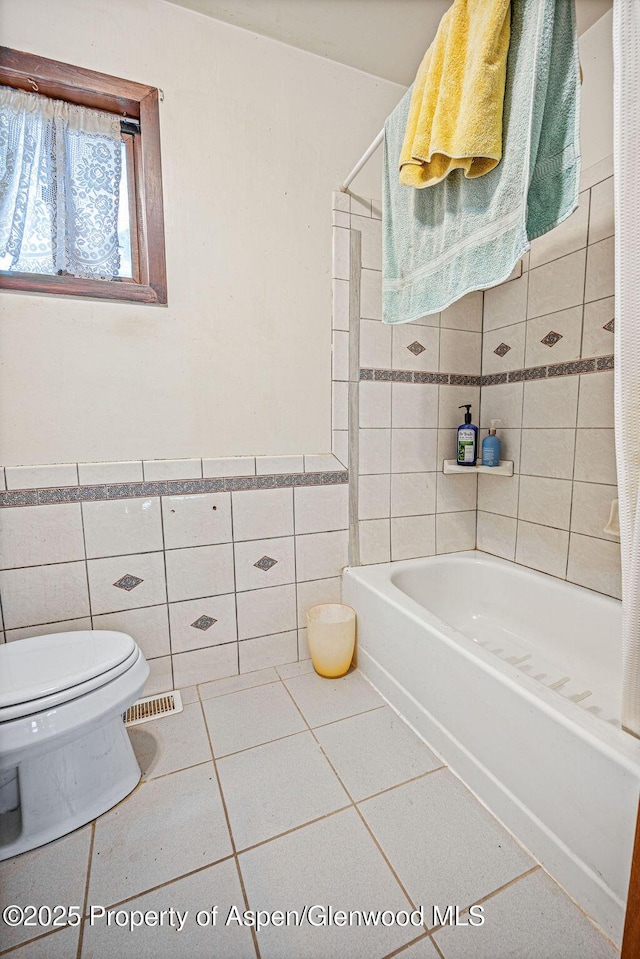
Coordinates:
[505,468]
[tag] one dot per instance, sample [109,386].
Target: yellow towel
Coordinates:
[455,117]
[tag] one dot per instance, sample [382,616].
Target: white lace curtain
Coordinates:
[60,169]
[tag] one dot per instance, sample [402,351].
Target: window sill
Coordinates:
[123,290]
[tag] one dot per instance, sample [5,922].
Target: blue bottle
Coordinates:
[467,439]
[491,447]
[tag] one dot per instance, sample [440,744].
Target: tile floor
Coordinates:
[277,790]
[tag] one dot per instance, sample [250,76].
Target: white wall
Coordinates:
[255,135]
[596,58]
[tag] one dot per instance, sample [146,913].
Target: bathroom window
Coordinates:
[80,182]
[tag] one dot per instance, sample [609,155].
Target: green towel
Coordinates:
[468,234]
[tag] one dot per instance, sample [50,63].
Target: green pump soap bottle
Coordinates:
[467,439]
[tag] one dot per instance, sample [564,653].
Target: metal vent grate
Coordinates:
[153,707]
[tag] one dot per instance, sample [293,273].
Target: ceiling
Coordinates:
[384,37]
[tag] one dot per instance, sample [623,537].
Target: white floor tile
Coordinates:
[60,945]
[250,717]
[221,687]
[327,700]
[171,742]
[276,787]
[374,751]
[295,669]
[444,846]
[332,861]
[532,919]
[166,828]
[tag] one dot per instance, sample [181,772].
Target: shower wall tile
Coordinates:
[464,314]
[548,452]
[451,398]
[591,508]
[455,531]
[413,494]
[569,236]
[413,451]
[601,217]
[496,534]
[595,563]
[415,407]
[340,311]
[545,501]
[456,493]
[595,456]
[506,304]
[542,548]
[415,347]
[551,403]
[48,534]
[595,408]
[340,356]
[371,231]
[460,350]
[557,285]
[498,494]
[375,344]
[340,405]
[600,280]
[412,536]
[502,403]
[503,349]
[375,404]
[375,451]
[371,295]
[597,333]
[341,254]
[541,332]
[375,541]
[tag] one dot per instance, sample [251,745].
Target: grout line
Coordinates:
[86,889]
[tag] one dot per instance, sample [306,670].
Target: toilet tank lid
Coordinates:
[42,665]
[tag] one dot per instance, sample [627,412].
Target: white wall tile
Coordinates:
[340,201]
[414,405]
[260,514]
[32,536]
[450,414]
[371,295]
[360,205]
[498,494]
[496,534]
[513,359]
[455,532]
[595,563]
[506,304]
[591,508]
[595,406]
[149,627]
[49,629]
[413,494]
[371,231]
[321,463]
[339,405]
[596,341]
[548,452]
[460,352]
[340,355]
[602,217]
[504,403]
[375,541]
[374,404]
[375,451]
[229,466]
[160,678]
[199,571]
[321,508]
[247,554]
[117,527]
[185,636]
[406,335]
[557,285]
[600,280]
[542,548]
[551,403]
[321,555]
[464,314]
[262,612]
[202,519]
[340,218]
[341,254]
[279,465]
[268,651]
[205,665]
[41,477]
[545,501]
[340,446]
[375,345]
[316,592]
[340,304]
[95,473]
[569,236]
[108,598]
[413,451]
[412,536]
[3,479]
[172,469]
[456,492]
[595,456]
[568,324]
[373,496]
[44,594]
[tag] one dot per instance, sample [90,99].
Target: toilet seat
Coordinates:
[45,671]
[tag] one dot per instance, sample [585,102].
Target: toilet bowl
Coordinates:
[65,754]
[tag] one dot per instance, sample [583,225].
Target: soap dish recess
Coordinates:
[505,468]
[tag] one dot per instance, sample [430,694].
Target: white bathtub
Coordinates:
[466,647]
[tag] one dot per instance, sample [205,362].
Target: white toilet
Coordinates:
[65,755]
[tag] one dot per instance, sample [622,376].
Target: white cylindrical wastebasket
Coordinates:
[332,636]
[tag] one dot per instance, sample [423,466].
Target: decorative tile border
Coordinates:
[419,376]
[570,368]
[222,484]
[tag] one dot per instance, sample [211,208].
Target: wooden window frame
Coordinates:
[62,81]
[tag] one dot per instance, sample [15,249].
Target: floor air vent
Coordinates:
[153,707]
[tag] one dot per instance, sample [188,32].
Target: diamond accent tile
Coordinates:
[502,350]
[265,563]
[204,622]
[128,582]
[551,338]
[416,348]
[609,326]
